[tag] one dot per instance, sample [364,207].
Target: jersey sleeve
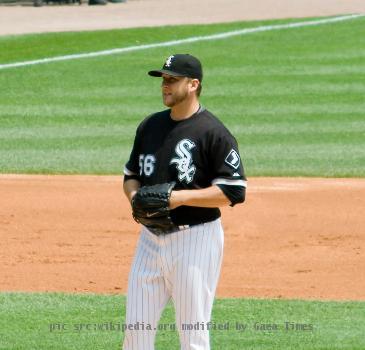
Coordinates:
[226,163]
[131,168]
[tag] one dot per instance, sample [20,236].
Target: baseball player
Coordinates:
[187,159]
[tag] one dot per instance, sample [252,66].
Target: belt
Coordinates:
[160,232]
[176,228]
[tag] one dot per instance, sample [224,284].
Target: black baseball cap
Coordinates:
[180,65]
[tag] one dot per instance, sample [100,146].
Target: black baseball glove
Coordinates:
[150,207]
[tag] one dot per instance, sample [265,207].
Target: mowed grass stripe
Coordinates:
[298,92]
[255,129]
[26,323]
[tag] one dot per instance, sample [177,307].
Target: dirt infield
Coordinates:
[140,13]
[293,238]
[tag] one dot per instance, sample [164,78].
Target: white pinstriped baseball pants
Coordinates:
[184,266]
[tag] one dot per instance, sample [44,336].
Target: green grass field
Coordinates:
[61,321]
[293,98]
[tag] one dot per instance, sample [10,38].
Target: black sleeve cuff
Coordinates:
[236,194]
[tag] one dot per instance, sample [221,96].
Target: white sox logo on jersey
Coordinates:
[184,164]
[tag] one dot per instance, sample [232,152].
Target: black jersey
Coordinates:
[195,153]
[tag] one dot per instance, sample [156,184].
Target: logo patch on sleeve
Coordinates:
[233,159]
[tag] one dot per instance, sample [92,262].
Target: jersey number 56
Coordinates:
[146,164]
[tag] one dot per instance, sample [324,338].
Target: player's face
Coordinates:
[174,89]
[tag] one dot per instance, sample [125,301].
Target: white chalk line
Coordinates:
[181,41]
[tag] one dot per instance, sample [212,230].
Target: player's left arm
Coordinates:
[210,197]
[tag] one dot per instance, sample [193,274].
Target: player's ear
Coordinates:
[194,84]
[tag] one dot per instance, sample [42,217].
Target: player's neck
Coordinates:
[185,109]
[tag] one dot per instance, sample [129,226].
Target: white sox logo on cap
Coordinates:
[168,61]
